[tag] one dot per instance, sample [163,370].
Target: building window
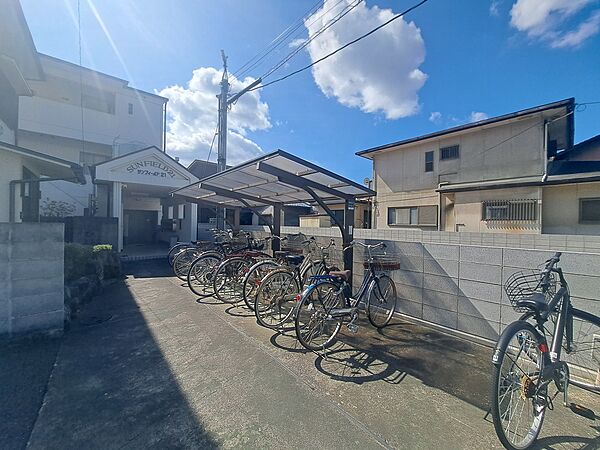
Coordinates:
[130,108]
[414,215]
[510,210]
[589,210]
[451,152]
[339,214]
[429,161]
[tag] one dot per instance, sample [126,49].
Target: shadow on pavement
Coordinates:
[285,339]
[25,369]
[571,442]
[148,269]
[239,310]
[456,366]
[112,386]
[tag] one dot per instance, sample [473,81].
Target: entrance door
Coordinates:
[141,226]
[30,197]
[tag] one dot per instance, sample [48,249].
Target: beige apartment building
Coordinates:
[516,173]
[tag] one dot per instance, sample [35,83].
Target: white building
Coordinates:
[80,117]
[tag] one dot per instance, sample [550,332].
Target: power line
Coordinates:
[340,16]
[396,17]
[287,36]
[276,42]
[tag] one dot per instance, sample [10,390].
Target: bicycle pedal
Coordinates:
[582,411]
[352,328]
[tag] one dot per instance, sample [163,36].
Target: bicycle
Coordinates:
[525,366]
[201,245]
[276,296]
[200,275]
[188,253]
[296,243]
[229,276]
[326,303]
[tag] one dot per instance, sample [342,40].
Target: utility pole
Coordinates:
[222,128]
[224,102]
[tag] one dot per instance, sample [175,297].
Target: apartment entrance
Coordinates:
[140,227]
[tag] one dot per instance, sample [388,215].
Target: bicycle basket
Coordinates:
[294,243]
[523,284]
[381,260]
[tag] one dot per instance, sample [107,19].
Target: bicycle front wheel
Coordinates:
[174,251]
[518,408]
[315,328]
[381,302]
[276,298]
[253,280]
[183,261]
[201,273]
[228,279]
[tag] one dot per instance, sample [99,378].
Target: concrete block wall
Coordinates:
[31,278]
[456,280]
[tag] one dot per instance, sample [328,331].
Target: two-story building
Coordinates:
[61,117]
[497,175]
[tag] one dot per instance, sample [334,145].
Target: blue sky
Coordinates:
[458,61]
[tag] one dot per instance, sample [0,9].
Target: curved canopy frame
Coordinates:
[279,179]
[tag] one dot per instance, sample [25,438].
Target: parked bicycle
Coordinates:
[526,366]
[276,296]
[201,274]
[327,303]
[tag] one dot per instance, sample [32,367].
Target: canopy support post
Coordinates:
[349,233]
[276,230]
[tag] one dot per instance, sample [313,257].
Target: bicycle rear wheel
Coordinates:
[201,273]
[253,279]
[276,298]
[315,328]
[228,279]
[183,262]
[381,301]
[518,411]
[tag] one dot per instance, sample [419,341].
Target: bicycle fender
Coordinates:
[508,332]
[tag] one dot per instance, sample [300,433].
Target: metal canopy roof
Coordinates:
[278,178]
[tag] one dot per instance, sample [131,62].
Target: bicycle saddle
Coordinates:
[281,254]
[343,274]
[536,301]
[294,260]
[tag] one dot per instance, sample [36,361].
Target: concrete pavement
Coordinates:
[149,366]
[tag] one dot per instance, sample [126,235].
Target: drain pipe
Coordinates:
[545,150]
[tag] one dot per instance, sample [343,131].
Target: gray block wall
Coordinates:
[31,278]
[456,280]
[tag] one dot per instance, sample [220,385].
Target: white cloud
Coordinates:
[192,118]
[296,42]
[546,20]
[378,74]
[584,31]
[494,8]
[435,117]
[476,116]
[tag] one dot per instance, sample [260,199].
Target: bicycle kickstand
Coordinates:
[352,327]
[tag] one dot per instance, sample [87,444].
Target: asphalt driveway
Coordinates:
[147,365]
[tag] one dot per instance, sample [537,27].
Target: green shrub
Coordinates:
[102,248]
[78,261]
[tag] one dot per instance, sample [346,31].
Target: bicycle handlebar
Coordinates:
[549,267]
[367,246]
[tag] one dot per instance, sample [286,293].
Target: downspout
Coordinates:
[545,152]
[164,128]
